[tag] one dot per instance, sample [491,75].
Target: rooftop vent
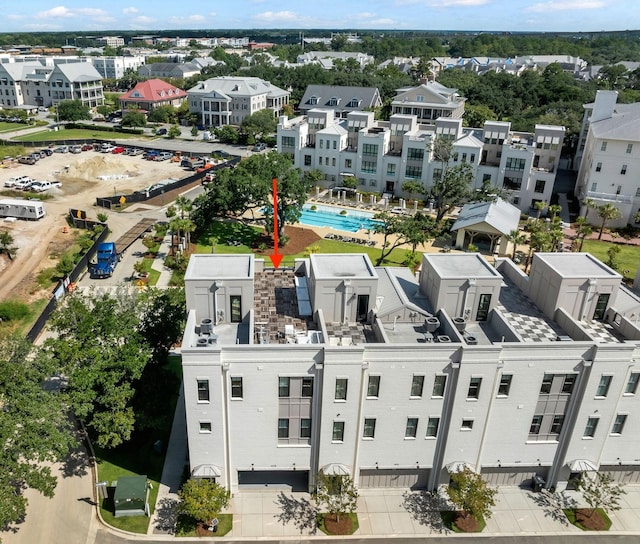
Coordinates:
[202,342]
[460,323]
[471,340]
[443,339]
[206,326]
[432,324]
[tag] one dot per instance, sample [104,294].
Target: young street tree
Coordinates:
[7,246]
[202,499]
[336,494]
[34,428]
[607,212]
[601,491]
[471,494]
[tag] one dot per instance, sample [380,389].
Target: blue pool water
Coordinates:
[329,216]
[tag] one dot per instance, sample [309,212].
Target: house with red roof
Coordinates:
[152,93]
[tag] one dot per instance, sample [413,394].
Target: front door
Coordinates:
[235,302]
[363,307]
[390,186]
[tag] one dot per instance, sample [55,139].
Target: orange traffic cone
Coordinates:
[65,230]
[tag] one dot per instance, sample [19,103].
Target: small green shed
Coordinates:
[131,497]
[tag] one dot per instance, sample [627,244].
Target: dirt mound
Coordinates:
[99,167]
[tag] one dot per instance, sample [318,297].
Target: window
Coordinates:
[540,184]
[505,385]
[411,430]
[601,307]
[603,146]
[203,390]
[629,148]
[338,431]
[369,167]
[307,160]
[391,169]
[632,384]
[236,387]
[369,428]
[205,426]
[483,307]
[473,158]
[536,422]
[416,386]
[307,387]
[432,427]
[288,141]
[414,154]
[439,384]
[283,428]
[413,171]
[599,167]
[594,187]
[474,388]
[515,164]
[305,428]
[467,424]
[347,163]
[603,386]
[623,170]
[568,383]
[618,424]
[373,387]
[370,150]
[590,429]
[464,157]
[556,426]
[341,389]
[283,387]
[545,388]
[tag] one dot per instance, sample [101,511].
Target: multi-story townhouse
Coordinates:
[228,100]
[608,157]
[398,380]
[340,99]
[383,155]
[169,70]
[326,59]
[76,81]
[428,102]
[115,67]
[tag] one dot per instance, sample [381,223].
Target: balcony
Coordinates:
[610,197]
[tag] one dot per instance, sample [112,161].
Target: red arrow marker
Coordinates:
[276,258]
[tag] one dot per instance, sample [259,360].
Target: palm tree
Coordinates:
[516,238]
[554,210]
[607,212]
[539,206]
[588,203]
[583,229]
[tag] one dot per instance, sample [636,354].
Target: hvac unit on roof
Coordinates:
[206,326]
[202,342]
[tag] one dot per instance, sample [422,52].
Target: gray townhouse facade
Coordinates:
[399,379]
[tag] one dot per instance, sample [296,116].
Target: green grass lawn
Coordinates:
[571,517]
[10,127]
[628,259]
[74,134]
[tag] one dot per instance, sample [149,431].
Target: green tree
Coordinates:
[612,254]
[539,206]
[34,428]
[7,246]
[73,110]
[471,494]
[259,124]
[414,188]
[174,132]
[336,494]
[589,204]
[97,344]
[248,188]
[452,189]
[162,114]
[600,491]
[194,131]
[134,119]
[554,210]
[65,264]
[607,212]
[162,318]
[227,134]
[202,499]
[476,115]
[583,229]
[516,237]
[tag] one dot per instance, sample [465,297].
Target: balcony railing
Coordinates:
[610,197]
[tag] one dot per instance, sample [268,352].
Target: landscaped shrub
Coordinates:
[13,311]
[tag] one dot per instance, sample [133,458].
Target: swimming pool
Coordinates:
[329,216]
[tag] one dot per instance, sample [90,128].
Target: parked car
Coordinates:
[117,150]
[151,155]
[36,156]
[163,156]
[75,149]
[27,160]
[87,147]
[136,151]
[161,132]
[11,182]
[61,149]
[107,148]
[48,152]
[259,147]
[41,186]
[23,184]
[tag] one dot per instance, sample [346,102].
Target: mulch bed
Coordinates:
[300,238]
[590,519]
[338,527]
[467,524]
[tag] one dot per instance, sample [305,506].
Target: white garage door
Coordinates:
[623,474]
[512,475]
[403,478]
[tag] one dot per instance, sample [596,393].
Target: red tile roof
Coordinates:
[154,90]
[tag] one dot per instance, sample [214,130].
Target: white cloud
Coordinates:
[277,16]
[564,5]
[59,12]
[457,3]
[62,12]
[130,10]
[197,18]
[142,20]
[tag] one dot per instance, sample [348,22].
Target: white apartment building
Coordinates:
[115,67]
[383,155]
[608,157]
[327,58]
[340,366]
[228,100]
[428,102]
[111,41]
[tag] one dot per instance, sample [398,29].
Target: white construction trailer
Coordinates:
[22,209]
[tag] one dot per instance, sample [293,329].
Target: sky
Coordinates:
[481,15]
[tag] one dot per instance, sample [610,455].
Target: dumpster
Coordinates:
[537,483]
